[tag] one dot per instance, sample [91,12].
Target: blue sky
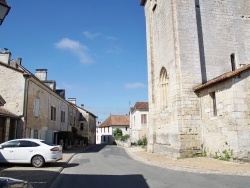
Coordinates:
[94,49]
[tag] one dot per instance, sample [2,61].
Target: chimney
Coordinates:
[19,61]
[41,74]
[5,56]
[72,100]
[82,106]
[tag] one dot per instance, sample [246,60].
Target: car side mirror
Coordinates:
[1,147]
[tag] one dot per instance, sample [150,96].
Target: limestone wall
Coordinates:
[229,130]
[12,86]
[193,41]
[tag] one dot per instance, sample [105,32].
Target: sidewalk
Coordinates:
[198,165]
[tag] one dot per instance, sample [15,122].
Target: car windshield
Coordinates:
[48,143]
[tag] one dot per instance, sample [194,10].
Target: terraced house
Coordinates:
[198,55]
[32,106]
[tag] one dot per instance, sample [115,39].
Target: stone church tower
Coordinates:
[190,43]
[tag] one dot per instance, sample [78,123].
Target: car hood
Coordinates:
[11,182]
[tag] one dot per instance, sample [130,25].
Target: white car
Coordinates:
[34,151]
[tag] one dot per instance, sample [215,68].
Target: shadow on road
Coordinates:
[100,181]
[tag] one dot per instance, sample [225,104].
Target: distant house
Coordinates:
[87,125]
[104,132]
[138,121]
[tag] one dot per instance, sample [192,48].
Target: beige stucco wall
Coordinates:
[47,99]
[137,129]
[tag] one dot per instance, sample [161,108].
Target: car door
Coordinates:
[7,151]
[26,149]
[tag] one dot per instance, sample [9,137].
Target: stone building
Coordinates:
[32,108]
[198,53]
[87,125]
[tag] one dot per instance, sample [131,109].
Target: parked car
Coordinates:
[11,182]
[34,151]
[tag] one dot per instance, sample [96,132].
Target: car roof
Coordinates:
[29,139]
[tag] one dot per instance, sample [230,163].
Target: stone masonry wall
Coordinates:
[230,129]
[193,41]
[12,88]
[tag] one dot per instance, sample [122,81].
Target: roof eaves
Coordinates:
[221,78]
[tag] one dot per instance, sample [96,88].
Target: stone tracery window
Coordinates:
[164,88]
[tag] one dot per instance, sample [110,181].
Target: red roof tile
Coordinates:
[221,78]
[116,120]
[140,106]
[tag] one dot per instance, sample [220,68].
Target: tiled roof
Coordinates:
[6,113]
[223,77]
[140,106]
[116,120]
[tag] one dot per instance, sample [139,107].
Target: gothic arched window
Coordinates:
[164,87]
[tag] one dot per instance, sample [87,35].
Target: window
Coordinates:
[213,97]
[232,57]
[35,134]
[154,6]
[143,118]
[126,128]
[53,113]
[164,88]
[81,128]
[26,143]
[62,116]
[10,144]
[37,105]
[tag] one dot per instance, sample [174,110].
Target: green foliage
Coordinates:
[81,138]
[124,138]
[117,133]
[143,141]
[203,154]
[66,136]
[225,156]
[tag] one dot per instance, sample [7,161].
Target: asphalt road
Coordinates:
[110,166]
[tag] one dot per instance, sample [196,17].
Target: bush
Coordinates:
[117,134]
[124,138]
[67,138]
[143,141]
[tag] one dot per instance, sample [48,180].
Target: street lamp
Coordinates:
[4,10]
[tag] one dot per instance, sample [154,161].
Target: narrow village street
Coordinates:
[114,166]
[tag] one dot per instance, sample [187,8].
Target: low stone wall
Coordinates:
[126,143]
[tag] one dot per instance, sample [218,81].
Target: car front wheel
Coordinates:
[37,161]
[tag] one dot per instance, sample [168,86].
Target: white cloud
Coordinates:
[90,35]
[135,85]
[76,48]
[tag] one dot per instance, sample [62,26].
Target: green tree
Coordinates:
[117,133]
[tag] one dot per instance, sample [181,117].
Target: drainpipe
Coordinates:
[201,124]
[25,101]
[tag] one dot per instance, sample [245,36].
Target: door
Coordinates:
[25,151]
[7,151]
